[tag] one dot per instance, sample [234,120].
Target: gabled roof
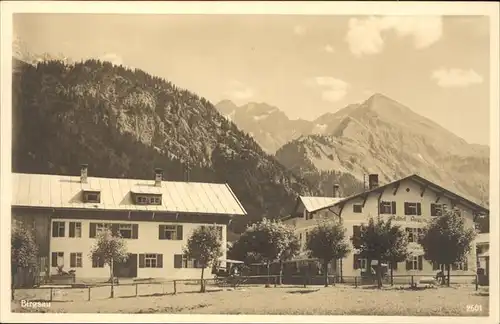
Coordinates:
[429,184]
[57,191]
[312,204]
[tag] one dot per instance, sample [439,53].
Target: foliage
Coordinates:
[447,239]
[381,241]
[125,122]
[205,247]
[327,242]
[267,241]
[110,248]
[24,250]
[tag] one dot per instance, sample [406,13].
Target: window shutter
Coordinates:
[356,262]
[159,260]
[177,261]
[406,209]
[92,230]
[72,229]
[419,209]
[380,209]
[179,232]
[54,232]
[114,229]
[393,205]
[433,210]
[54,259]
[72,260]
[161,232]
[135,231]
[420,263]
[141,261]
[408,265]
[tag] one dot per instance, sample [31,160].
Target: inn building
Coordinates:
[411,201]
[155,218]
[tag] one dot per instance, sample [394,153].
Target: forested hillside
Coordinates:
[125,122]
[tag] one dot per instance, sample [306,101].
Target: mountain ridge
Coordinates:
[381,135]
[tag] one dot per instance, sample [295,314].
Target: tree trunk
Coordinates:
[448,274]
[268,284]
[379,274]
[12,283]
[325,270]
[111,266]
[280,282]
[202,282]
[392,273]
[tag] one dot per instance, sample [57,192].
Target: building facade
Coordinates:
[155,218]
[412,202]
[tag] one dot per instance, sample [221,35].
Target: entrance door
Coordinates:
[127,269]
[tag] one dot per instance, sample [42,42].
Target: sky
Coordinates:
[304,65]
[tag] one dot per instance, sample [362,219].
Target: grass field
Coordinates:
[285,300]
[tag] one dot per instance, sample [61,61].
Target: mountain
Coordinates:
[125,122]
[383,136]
[268,125]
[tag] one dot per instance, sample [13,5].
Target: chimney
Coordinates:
[83,173]
[372,181]
[158,177]
[336,190]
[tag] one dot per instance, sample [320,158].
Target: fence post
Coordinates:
[477,282]
[175,287]
[50,293]
[89,293]
[275,281]
[412,283]
[392,280]
[356,282]
[136,289]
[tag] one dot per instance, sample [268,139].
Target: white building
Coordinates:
[155,217]
[412,201]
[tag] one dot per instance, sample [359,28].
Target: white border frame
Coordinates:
[490,9]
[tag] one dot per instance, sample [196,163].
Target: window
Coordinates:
[359,263]
[57,259]
[413,234]
[412,209]
[414,263]
[125,230]
[75,229]
[96,228]
[170,232]
[462,266]
[58,229]
[92,197]
[148,199]
[357,208]
[97,262]
[101,227]
[387,207]
[436,210]
[181,261]
[75,260]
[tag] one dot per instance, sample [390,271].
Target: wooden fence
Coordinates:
[172,287]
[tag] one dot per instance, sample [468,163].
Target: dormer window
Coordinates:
[150,199]
[92,197]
